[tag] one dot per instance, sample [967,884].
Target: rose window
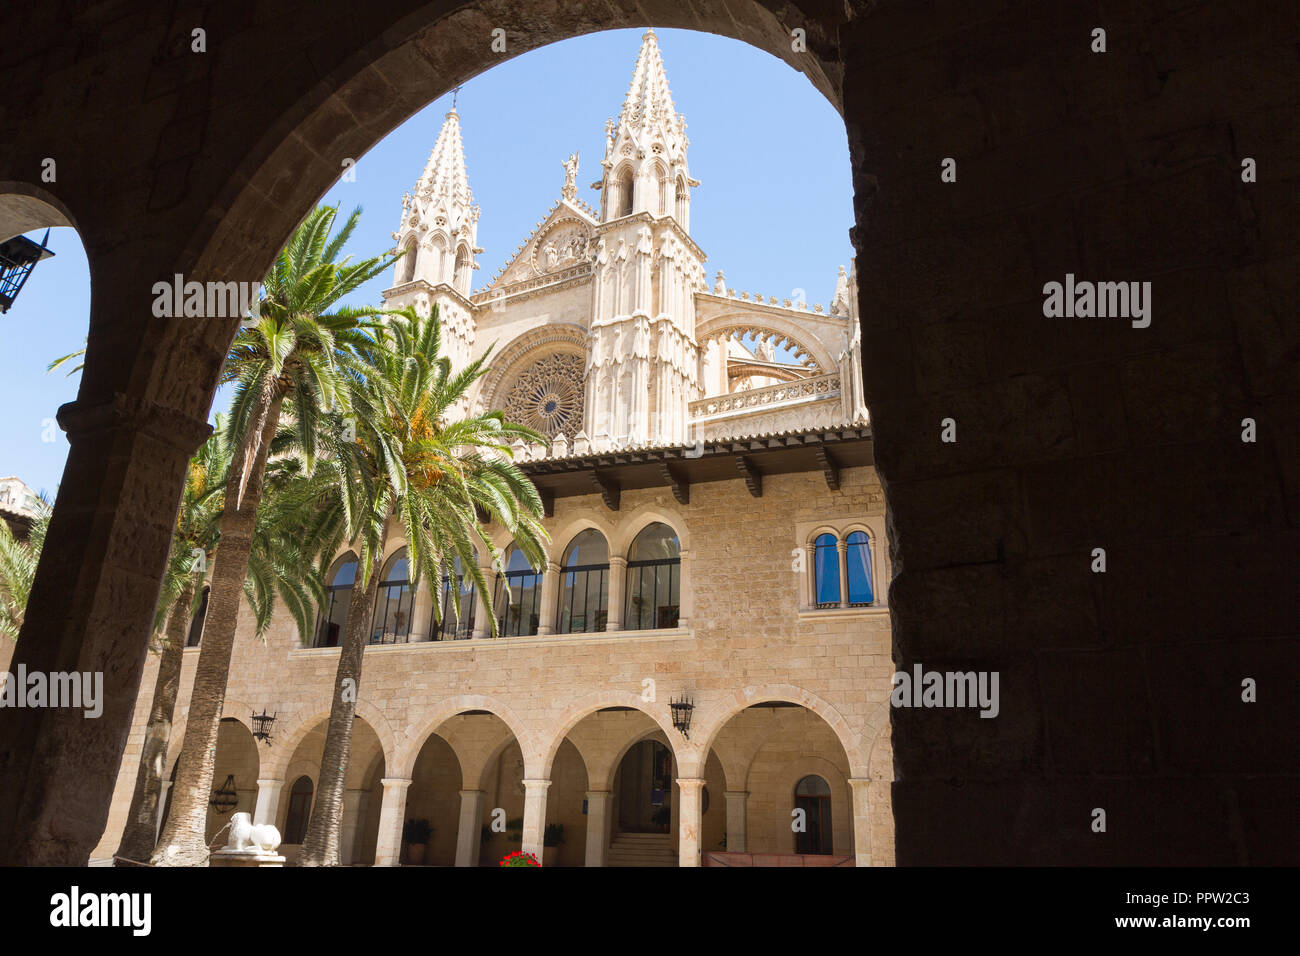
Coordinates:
[547,396]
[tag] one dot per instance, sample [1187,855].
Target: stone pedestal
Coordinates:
[245,858]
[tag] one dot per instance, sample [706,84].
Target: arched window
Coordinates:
[812,795]
[295,825]
[437,268]
[826,571]
[662,209]
[858,557]
[518,595]
[583,580]
[623,194]
[463,269]
[458,605]
[683,199]
[654,579]
[408,260]
[335,619]
[196,625]
[391,623]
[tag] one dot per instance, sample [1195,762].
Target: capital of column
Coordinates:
[860,783]
[552,567]
[470,793]
[691,784]
[396,783]
[735,793]
[269,781]
[535,785]
[595,794]
[167,425]
[617,561]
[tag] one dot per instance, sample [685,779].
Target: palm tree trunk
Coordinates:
[142,819]
[184,839]
[320,847]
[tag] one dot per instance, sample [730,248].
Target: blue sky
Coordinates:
[773,209]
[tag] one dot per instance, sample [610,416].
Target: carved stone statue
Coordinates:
[840,304]
[765,352]
[570,190]
[720,284]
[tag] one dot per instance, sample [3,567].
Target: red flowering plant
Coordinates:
[519,858]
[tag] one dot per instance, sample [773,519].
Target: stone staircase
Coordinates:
[641,849]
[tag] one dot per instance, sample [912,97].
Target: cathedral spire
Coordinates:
[444,175]
[648,99]
[645,168]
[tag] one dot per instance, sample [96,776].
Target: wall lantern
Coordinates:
[18,256]
[262,724]
[682,710]
[225,799]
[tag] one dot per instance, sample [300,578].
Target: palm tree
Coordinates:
[63,360]
[415,463]
[18,560]
[302,353]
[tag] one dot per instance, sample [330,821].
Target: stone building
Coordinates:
[717,536]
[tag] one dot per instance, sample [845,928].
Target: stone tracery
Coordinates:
[548,395]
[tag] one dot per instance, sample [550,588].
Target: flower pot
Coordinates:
[415,854]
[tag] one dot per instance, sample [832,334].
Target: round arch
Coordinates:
[316,712]
[422,728]
[586,706]
[801,341]
[719,712]
[637,520]
[521,351]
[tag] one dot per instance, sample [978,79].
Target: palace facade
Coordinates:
[717,542]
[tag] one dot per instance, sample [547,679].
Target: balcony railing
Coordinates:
[769,396]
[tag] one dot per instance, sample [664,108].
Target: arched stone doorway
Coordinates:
[362,797]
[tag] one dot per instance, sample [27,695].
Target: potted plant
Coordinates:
[519,858]
[551,841]
[416,834]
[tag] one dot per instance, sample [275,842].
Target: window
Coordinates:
[826,571]
[458,604]
[583,580]
[663,192]
[518,596]
[812,795]
[196,626]
[438,253]
[335,619]
[857,556]
[391,623]
[682,200]
[622,205]
[654,578]
[295,826]
[408,260]
[463,269]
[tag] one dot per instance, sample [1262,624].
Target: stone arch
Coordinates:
[423,727]
[522,351]
[592,703]
[315,712]
[25,207]
[718,712]
[639,519]
[806,345]
[406,265]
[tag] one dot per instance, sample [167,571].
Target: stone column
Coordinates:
[535,816]
[268,801]
[736,820]
[617,589]
[598,803]
[483,616]
[686,592]
[550,598]
[861,820]
[392,813]
[689,820]
[91,606]
[842,548]
[354,804]
[468,842]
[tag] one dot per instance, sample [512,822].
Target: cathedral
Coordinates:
[700,673]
